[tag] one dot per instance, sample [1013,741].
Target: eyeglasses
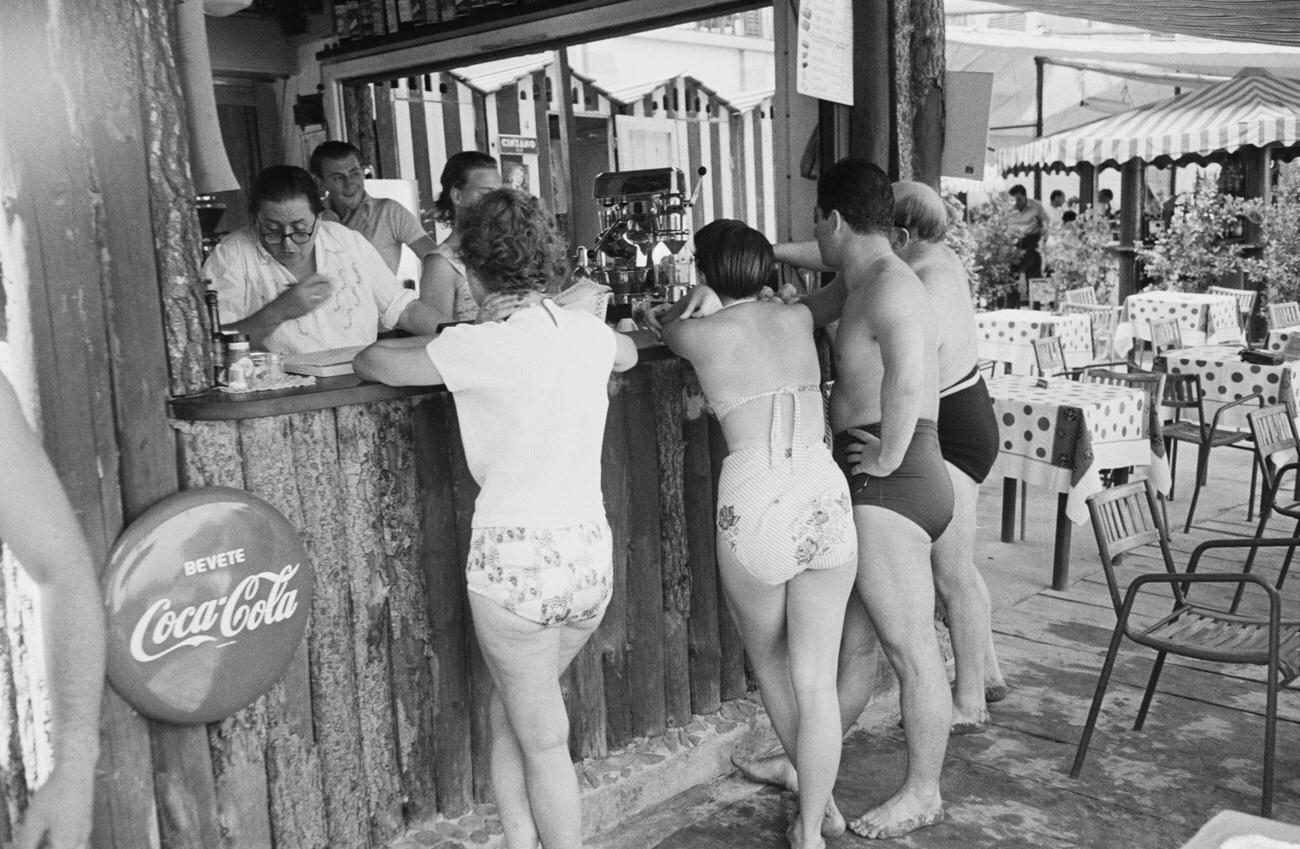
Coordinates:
[298,237]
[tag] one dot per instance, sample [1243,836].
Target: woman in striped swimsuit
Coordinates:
[787,549]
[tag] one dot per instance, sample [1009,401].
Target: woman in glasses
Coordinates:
[296,283]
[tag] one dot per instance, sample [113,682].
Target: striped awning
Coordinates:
[1263,21]
[1253,108]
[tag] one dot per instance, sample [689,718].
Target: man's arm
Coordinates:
[294,302]
[398,362]
[38,525]
[801,255]
[423,245]
[420,319]
[901,336]
[827,303]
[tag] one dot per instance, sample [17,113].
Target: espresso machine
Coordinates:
[639,212]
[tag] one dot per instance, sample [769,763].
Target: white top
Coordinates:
[367,296]
[531,397]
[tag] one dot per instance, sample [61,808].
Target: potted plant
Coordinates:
[1195,251]
[1277,267]
[986,244]
[1075,254]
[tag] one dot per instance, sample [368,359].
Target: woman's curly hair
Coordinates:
[510,243]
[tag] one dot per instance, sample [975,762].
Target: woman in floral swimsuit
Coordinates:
[787,549]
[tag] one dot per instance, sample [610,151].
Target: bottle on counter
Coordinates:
[214,334]
[239,361]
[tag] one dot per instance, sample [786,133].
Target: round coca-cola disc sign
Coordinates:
[207,595]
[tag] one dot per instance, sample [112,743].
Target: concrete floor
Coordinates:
[1009,787]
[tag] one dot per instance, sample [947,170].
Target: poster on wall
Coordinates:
[825,50]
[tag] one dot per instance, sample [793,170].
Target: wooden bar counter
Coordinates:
[383,716]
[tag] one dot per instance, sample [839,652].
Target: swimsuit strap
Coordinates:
[774,434]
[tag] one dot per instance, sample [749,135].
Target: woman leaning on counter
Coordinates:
[296,283]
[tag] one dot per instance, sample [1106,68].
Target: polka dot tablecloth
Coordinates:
[1201,318]
[1226,378]
[1277,339]
[1062,435]
[1007,337]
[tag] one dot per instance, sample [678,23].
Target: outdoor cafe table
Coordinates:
[1201,318]
[1007,337]
[1060,434]
[1277,339]
[1225,378]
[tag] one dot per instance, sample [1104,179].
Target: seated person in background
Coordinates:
[445,285]
[1056,205]
[296,283]
[383,221]
[1105,201]
[787,547]
[531,396]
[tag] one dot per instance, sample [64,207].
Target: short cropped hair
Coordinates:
[455,174]
[860,192]
[509,242]
[333,150]
[919,208]
[281,183]
[1056,193]
[1018,190]
[735,259]
[1106,195]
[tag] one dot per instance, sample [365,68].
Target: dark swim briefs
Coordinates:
[968,428]
[919,489]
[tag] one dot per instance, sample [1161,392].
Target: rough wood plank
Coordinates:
[666,386]
[732,682]
[363,508]
[331,662]
[706,601]
[209,456]
[434,427]
[611,638]
[386,161]
[645,611]
[298,817]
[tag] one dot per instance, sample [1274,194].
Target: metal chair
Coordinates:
[1284,314]
[1049,356]
[1273,432]
[1082,295]
[1245,305]
[1184,392]
[988,368]
[1124,518]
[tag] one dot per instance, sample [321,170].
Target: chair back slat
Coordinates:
[988,368]
[1283,314]
[1082,295]
[1049,355]
[1273,431]
[1124,518]
[1151,383]
[1245,299]
[1166,335]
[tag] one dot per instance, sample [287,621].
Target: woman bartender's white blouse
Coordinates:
[367,296]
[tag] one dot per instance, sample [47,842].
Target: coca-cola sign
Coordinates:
[208,595]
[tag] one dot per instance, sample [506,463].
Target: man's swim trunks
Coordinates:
[968,428]
[919,489]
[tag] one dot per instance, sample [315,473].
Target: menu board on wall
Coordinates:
[824,43]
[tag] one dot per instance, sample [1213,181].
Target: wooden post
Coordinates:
[1087,185]
[927,77]
[1130,222]
[386,161]
[871,120]
[562,88]
[1038,122]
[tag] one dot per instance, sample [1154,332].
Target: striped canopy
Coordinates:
[1253,108]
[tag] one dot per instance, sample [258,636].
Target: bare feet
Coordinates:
[794,834]
[833,824]
[772,769]
[969,723]
[901,815]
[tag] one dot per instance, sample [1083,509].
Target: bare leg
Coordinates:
[958,582]
[526,660]
[899,593]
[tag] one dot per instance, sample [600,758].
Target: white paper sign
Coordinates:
[825,50]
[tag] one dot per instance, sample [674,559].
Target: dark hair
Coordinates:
[333,150]
[1056,193]
[283,183]
[1068,216]
[1106,195]
[735,259]
[860,192]
[510,243]
[454,176]
[1018,189]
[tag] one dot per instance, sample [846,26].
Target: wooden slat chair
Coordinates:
[1124,518]
[1082,295]
[1283,315]
[988,368]
[1274,434]
[1049,356]
[1245,305]
[1166,335]
[1184,392]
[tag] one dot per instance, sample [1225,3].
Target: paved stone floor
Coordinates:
[1009,787]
